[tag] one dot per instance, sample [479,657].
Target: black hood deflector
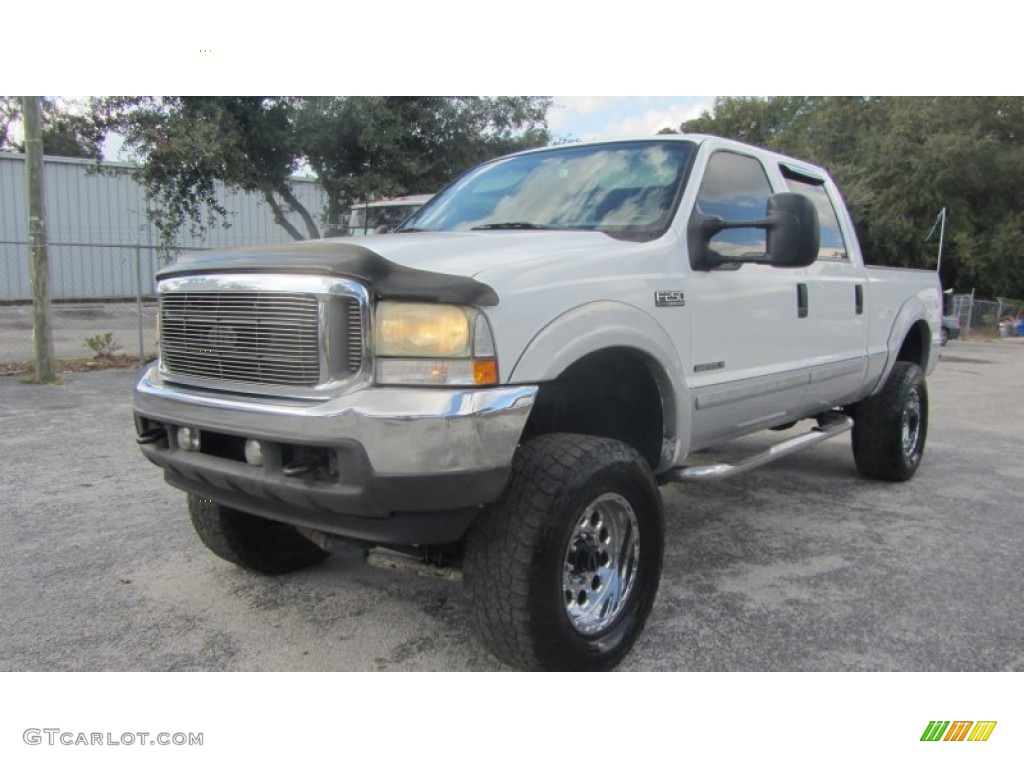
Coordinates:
[338,258]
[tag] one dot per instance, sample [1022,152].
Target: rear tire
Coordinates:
[889,428]
[254,543]
[561,572]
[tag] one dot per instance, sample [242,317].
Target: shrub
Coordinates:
[102,344]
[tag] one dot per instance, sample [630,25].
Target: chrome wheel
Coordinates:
[555,574]
[912,424]
[601,563]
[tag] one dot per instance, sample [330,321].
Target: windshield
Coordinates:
[625,190]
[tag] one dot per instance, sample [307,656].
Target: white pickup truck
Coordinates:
[503,384]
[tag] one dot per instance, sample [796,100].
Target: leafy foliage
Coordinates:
[899,161]
[65,133]
[358,147]
[102,344]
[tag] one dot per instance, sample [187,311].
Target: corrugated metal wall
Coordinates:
[97,228]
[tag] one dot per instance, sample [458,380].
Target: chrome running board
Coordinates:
[829,425]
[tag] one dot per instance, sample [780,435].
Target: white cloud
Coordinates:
[584,105]
[568,109]
[653,120]
[598,117]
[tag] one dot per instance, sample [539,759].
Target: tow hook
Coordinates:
[150,436]
[299,467]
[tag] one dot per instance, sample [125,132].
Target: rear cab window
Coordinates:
[832,245]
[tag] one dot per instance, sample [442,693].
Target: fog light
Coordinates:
[254,452]
[188,439]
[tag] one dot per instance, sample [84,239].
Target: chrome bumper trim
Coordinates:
[403,430]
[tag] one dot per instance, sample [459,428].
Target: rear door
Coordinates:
[835,334]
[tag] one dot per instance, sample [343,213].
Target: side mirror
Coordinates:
[794,238]
[791,224]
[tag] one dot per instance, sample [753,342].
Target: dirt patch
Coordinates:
[74,365]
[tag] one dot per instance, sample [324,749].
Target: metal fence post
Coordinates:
[138,295]
[970,314]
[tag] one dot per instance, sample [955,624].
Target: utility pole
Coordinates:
[942,239]
[940,219]
[42,330]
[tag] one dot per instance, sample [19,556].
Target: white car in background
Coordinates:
[375,217]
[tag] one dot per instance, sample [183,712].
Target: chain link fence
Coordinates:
[987,318]
[104,253]
[102,289]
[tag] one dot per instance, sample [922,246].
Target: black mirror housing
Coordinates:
[791,224]
[794,237]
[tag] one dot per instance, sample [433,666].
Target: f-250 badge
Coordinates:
[669,299]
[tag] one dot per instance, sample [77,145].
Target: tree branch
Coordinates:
[279,216]
[289,197]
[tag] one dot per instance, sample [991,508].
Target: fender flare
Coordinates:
[603,325]
[912,312]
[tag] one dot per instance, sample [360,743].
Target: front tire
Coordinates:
[561,573]
[254,543]
[889,428]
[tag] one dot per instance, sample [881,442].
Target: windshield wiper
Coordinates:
[513,225]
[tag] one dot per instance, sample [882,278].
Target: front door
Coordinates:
[747,370]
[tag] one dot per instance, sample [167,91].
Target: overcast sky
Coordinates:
[598,117]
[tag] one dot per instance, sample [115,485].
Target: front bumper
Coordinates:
[397,465]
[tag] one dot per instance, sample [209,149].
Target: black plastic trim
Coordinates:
[338,258]
[796,173]
[384,509]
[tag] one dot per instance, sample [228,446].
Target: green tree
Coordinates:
[187,145]
[10,111]
[65,132]
[358,147]
[899,161]
[386,146]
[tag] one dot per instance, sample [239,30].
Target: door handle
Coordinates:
[801,300]
[858,293]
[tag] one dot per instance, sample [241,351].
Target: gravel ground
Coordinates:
[801,565]
[73,323]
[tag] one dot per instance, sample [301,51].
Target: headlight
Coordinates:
[422,330]
[433,344]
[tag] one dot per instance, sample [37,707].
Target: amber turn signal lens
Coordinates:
[485,371]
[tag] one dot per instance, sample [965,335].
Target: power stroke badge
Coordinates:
[669,299]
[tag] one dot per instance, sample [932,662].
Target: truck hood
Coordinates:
[431,266]
[473,254]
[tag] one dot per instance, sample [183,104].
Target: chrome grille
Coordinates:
[262,337]
[354,334]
